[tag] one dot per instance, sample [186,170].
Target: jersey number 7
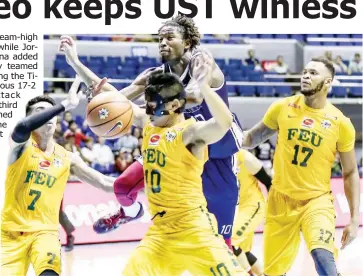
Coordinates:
[37,196]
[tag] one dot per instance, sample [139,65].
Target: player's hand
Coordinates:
[349,234]
[144,76]
[202,69]
[68,47]
[95,88]
[74,95]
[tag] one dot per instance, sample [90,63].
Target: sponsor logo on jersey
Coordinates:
[154,140]
[57,162]
[307,122]
[170,136]
[294,105]
[44,165]
[325,124]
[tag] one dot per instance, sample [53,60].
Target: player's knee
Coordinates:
[48,272]
[324,262]
[128,184]
[251,258]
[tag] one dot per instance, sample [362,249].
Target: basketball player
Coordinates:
[310,132]
[251,211]
[184,234]
[178,41]
[37,174]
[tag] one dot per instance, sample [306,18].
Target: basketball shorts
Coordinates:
[251,213]
[285,218]
[220,187]
[190,243]
[42,249]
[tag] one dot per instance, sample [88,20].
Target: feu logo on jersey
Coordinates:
[304,135]
[40,178]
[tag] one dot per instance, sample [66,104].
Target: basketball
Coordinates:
[109,115]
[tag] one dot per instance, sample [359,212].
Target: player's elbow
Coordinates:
[21,132]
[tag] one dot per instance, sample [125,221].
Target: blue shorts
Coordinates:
[221,189]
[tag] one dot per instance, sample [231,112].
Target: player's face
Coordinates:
[171,44]
[48,128]
[165,120]
[315,78]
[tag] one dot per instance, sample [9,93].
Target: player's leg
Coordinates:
[250,215]
[45,253]
[256,265]
[126,188]
[68,228]
[220,187]
[204,250]
[14,248]
[318,227]
[281,234]
[153,257]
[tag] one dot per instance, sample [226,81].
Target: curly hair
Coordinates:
[187,29]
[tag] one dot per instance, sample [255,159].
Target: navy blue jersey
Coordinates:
[232,141]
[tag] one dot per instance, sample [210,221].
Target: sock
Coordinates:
[132,210]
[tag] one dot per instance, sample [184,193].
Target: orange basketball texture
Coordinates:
[109,115]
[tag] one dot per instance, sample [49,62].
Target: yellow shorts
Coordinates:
[285,218]
[188,243]
[42,249]
[249,217]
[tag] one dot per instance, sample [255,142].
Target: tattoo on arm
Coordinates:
[257,135]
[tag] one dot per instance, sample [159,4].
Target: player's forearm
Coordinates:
[352,192]
[133,91]
[88,76]
[256,135]
[96,179]
[219,110]
[24,128]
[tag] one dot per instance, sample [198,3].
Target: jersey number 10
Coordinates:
[155,178]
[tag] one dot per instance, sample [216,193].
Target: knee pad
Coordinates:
[49,272]
[128,184]
[324,262]
[251,258]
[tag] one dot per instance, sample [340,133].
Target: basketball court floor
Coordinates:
[96,260]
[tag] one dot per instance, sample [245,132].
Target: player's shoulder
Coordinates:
[335,113]
[288,102]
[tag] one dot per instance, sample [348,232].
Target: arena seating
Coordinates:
[237,38]
[130,66]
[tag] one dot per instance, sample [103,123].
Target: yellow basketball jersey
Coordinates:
[173,182]
[308,140]
[34,189]
[249,188]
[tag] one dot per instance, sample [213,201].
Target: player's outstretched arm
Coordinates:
[21,133]
[213,130]
[68,47]
[90,176]
[134,90]
[255,167]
